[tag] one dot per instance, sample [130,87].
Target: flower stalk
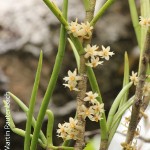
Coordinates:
[139,90]
[82,86]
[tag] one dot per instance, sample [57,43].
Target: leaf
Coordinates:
[32,103]
[117,118]
[77,57]
[90,146]
[25,109]
[126,78]
[116,103]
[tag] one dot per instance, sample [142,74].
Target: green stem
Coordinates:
[101,11]
[17,130]
[135,21]
[25,109]
[56,12]
[52,81]
[60,148]
[95,88]
[32,103]
[86,4]
[49,134]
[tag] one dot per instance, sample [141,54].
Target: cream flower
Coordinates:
[98,108]
[94,62]
[91,97]
[68,130]
[95,117]
[62,131]
[86,30]
[72,86]
[90,51]
[72,79]
[105,52]
[74,28]
[72,135]
[83,30]
[86,112]
[146,89]
[72,76]
[145,22]
[134,78]
[72,123]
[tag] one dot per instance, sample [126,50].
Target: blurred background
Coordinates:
[28,26]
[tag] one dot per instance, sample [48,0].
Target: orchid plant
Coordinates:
[89,103]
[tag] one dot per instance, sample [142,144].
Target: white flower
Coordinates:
[98,108]
[68,130]
[86,30]
[74,28]
[86,112]
[145,22]
[105,52]
[91,97]
[72,86]
[94,62]
[72,80]
[95,117]
[72,76]
[72,123]
[72,135]
[90,51]
[146,89]
[83,30]
[62,131]
[134,78]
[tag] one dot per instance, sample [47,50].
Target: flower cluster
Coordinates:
[72,80]
[95,109]
[95,55]
[126,122]
[134,78]
[129,146]
[145,22]
[68,130]
[146,89]
[83,30]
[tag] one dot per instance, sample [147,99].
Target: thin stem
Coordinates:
[32,104]
[59,148]
[49,134]
[52,81]
[25,109]
[86,4]
[101,11]
[17,130]
[139,92]
[90,10]
[56,12]
[82,86]
[135,21]
[95,88]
